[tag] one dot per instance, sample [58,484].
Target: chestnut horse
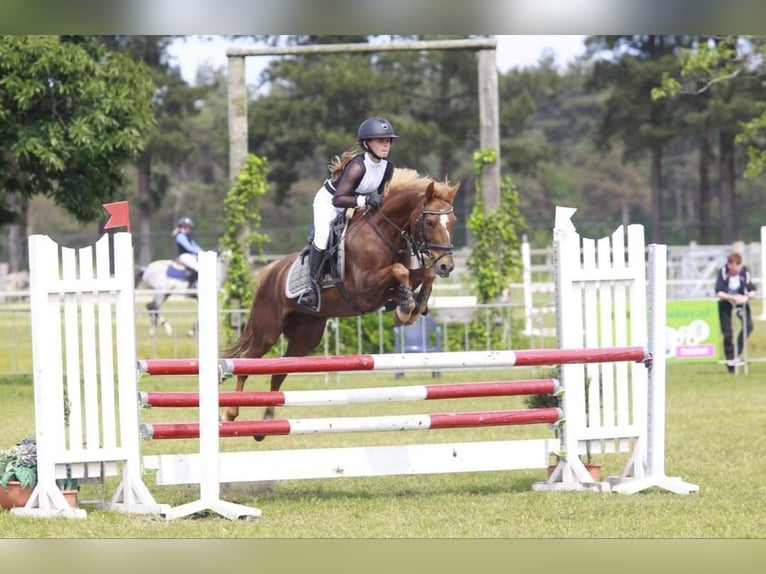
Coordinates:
[389,252]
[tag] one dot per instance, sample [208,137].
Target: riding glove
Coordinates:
[373,199]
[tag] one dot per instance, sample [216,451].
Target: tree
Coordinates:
[723,73]
[316,103]
[547,121]
[169,144]
[71,115]
[641,123]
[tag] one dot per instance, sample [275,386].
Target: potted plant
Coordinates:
[18,466]
[544,402]
[554,400]
[19,473]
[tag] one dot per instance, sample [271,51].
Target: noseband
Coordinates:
[420,243]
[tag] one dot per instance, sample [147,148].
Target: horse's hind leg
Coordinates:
[303,333]
[155,318]
[258,350]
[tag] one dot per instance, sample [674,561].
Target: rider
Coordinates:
[357,179]
[187,247]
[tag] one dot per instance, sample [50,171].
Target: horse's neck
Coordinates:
[403,214]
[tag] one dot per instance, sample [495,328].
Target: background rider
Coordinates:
[186,247]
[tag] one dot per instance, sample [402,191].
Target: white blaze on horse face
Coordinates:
[444,220]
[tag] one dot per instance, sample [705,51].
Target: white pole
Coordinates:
[526,260]
[208,377]
[656,400]
[655,452]
[762,317]
[209,448]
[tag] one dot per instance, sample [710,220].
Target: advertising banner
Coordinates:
[693,333]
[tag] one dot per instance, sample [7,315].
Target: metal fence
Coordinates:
[453,321]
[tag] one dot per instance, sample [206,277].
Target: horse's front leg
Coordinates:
[407,304]
[232,412]
[424,293]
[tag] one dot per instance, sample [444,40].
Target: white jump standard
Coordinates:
[611,348]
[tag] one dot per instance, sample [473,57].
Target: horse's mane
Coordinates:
[405,178]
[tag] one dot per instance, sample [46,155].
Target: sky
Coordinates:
[512,52]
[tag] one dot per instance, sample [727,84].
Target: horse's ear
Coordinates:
[453,191]
[446,191]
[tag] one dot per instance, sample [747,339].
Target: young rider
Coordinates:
[356,180]
[186,246]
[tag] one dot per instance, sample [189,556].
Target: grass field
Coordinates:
[715,439]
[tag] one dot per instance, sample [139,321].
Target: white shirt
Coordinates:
[373,175]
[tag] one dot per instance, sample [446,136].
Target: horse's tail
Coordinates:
[139,274]
[236,349]
[247,342]
[244,343]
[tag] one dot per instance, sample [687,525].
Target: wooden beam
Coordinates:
[467,44]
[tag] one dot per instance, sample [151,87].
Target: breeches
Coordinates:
[324,214]
[190,260]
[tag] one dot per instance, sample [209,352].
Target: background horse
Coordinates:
[413,224]
[165,277]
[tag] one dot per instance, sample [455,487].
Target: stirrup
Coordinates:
[311,307]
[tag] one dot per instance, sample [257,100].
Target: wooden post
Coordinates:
[488,105]
[237,116]
[237,93]
[489,124]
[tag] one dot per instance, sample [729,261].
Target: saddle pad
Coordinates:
[174,271]
[298,275]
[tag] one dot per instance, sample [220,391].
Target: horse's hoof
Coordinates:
[168,329]
[190,333]
[259,437]
[152,332]
[403,317]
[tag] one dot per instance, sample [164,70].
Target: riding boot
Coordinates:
[311,298]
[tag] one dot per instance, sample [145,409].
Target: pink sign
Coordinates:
[694,351]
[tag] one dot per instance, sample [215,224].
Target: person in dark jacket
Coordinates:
[734,288]
[186,247]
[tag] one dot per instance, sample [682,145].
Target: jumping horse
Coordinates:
[389,252]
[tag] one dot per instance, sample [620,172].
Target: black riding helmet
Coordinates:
[375,127]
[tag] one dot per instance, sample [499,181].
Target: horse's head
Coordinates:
[433,227]
[430,217]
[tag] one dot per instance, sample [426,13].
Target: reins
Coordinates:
[418,243]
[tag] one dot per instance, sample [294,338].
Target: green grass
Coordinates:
[16,338]
[714,439]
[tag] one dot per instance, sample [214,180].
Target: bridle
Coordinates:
[421,245]
[418,243]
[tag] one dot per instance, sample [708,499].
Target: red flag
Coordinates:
[119,215]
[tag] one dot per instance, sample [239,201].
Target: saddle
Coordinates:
[179,271]
[333,264]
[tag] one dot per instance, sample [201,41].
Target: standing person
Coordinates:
[186,246]
[734,288]
[357,179]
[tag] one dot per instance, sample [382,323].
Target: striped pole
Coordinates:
[398,362]
[357,424]
[352,396]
